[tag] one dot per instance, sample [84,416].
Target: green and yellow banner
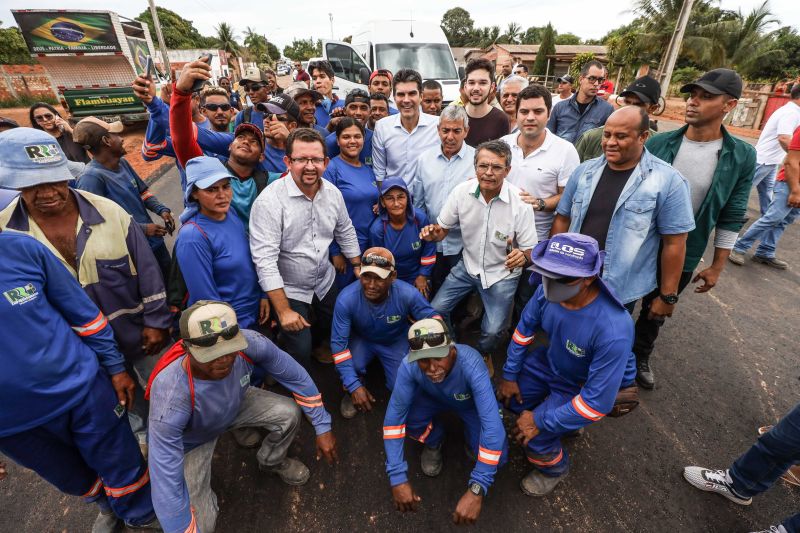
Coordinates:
[59,32]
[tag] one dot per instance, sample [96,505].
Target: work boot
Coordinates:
[431,460]
[714,481]
[774,262]
[736,258]
[154,525]
[487,359]
[291,471]
[538,484]
[247,437]
[347,408]
[107,522]
[644,374]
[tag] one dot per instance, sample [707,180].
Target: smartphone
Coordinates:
[170,226]
[148,67]
[199,84]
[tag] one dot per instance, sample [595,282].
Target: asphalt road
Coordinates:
[726,364]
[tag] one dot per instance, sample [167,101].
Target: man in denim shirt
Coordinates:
[634,204]
[584,110]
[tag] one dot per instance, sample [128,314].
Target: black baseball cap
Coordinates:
[281,104]
[357,95]
[8,123]
[647,89]
[566,78]
[718,81]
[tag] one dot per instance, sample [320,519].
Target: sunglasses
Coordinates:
[377,260]
[215,107]
[42,118]
[595,79]
[282,117]
[207,341]
[255,86]
[431,339]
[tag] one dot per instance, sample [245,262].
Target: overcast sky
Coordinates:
[307,18]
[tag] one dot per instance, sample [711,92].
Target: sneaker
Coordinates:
[487,359]
[774,262]
[644,374]
[431,460]
[107,523]
[291,471]
[247,437]
[538,484]
[713,481]
[736,258]
[347,408]
[772,529]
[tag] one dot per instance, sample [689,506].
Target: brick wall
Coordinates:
[18,81]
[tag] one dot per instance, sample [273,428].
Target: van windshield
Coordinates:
[432,61]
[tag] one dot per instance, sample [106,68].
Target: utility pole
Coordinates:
[160,36]
[674,48]
[330,17]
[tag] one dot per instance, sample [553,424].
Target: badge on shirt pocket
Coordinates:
[500,236]
[245,381]
[574,349]
[119,410]
[416,245]
[392,319]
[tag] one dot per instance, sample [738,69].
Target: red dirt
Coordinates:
[675,110]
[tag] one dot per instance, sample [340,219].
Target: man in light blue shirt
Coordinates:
[400,139]
[439,170]
[637,207]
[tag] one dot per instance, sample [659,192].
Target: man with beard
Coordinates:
[215,105]
[259,87]
[356,106]
[436,377]
[583,110]
[487,123]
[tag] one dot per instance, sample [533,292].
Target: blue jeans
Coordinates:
[497,302]
[764,182]
[769,228]
[766,461]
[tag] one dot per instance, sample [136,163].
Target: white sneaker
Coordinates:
[713,481]
[772,529]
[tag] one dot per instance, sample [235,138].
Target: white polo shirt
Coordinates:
[542,172]
[783,121]
[486,227]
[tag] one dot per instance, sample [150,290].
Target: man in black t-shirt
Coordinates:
[486,123]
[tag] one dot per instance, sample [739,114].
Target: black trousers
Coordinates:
[319,313]
[647,329]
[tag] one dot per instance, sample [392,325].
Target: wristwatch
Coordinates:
[476,489]
[670,299]
[540,204]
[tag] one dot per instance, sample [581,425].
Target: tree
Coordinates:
[303,49]
[567,38]
[513,34]
[272,52]
[533,35]
[226,39]
[256,45]
[485,37]
[578,62]
[179,33]
[547,47]
[458,26]
[13,50]
[786,65]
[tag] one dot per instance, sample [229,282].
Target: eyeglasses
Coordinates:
[215,107]
[279,117]
[377,260]
[484,167]
[43,118]
[251,87]
[316,161]
[211,339]
[594,79]
[431,339]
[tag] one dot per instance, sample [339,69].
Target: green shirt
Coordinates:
[725,204]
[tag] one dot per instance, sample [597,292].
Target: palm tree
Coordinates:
[513,33]
[226,38]
[486,36]
[256,44]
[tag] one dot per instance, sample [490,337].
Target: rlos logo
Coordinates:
[567,250]
[213,325]
[43,153]
[21,295]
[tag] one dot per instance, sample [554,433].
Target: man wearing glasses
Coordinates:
[439,376]
[583,111]
[216,106]
[201,389]
[292,225]
[258,87]
[300,74]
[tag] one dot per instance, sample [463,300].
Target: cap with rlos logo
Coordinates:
[281,104]
[214,325]
[30,157]
[428,338]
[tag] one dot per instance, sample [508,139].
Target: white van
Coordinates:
[393,45]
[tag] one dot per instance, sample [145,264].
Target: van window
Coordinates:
[346,63]
[432,61]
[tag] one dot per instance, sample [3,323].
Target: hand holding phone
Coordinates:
[199,84]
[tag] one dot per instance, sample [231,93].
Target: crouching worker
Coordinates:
[439,376]
[201,389]
[575,380]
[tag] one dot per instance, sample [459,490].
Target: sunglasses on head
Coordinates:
[377,260]
[431,339]
[211,339]
[215,107]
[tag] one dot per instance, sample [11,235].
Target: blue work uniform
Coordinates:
[332,147]
[363,330]
[573,381]
[322,115]
[59,414]
[467,391]
[219,143]
[412,256]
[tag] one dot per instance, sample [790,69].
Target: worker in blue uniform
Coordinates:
[370,320]
[440,376]
[560,388]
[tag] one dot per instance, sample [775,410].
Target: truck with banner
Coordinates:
[92,57]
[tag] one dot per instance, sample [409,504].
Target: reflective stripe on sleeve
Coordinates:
[490,457]
[584,410]
[92,327]
[342,356]
[394,432]
[133,487]
[308,401]
[520,339]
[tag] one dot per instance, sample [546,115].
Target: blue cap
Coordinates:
[31,157]
[201,172]
[394,183]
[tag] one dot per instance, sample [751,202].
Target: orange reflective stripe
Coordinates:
[95,490]
[521,339]
[146,194]
[430,260]
[133,487]
[545,462]
[342,356]
[92,327]
[584,410]
[394,432]
[308,401]
[192,527]
[490,457]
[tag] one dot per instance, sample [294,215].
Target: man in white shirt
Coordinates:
[564,89]
[292,224]
[772,146]
[400,139]
[498,232]
[439,171]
